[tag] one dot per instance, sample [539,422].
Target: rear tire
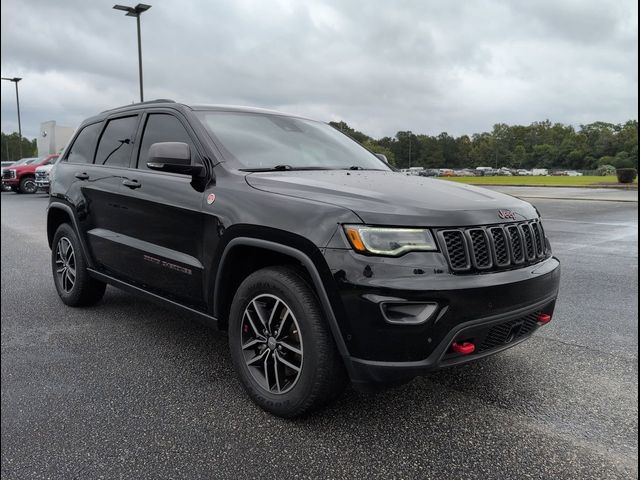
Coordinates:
[72,280]
[276,326]
[28,185]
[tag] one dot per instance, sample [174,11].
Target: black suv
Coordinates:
[323,263]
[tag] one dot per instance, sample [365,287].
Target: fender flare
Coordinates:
[313,273]
[69,211]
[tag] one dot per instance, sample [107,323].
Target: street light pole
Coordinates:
[15,80]
[136,12]
[140,58]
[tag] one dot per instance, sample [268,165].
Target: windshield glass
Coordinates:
[260,141]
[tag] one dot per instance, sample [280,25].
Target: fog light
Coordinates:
[544,318]
[464,348]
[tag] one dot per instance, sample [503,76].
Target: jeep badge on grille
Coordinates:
[504,214]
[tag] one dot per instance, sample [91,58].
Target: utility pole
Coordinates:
[15,80]
[136,12]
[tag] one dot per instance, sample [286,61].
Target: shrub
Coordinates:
[626,175]
[606,170]
[622,160]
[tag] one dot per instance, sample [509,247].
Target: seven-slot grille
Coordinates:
[494,247]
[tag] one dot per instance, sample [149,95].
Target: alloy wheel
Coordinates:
[65,264]
[271,343]
[30,186]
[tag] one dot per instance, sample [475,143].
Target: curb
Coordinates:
[610,187]
[579,199]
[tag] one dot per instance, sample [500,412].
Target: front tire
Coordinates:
[72,280]
[281,346]
[28,185]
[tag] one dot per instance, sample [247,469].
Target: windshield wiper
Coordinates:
[281,168]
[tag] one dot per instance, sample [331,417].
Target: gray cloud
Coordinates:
[381,66]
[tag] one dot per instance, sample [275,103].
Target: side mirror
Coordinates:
[173,157]
[382,157]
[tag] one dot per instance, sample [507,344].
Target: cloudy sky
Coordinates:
[382,66]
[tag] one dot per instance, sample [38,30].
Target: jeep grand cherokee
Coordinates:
[322,263]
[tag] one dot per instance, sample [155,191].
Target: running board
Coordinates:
[202,317]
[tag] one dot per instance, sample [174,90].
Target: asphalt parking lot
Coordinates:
[130,389]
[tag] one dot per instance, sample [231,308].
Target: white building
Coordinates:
[53,138]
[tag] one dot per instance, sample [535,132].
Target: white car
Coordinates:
[573,173]
[44,175]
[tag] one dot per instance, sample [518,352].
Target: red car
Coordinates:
[21,177]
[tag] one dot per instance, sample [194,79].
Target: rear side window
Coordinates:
[161,127]
[82,149]
[114,148]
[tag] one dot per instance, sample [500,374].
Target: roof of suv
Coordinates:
[199,107]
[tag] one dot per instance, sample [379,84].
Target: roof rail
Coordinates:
[159,100]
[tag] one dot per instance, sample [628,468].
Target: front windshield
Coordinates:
[264,141]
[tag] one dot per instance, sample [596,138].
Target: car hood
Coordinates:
[390,198]
[23,168]
[44,168]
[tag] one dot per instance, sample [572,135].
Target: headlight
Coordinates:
[389,241]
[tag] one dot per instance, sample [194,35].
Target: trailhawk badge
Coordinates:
[504,214]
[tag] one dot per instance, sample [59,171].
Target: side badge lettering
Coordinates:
[211,198]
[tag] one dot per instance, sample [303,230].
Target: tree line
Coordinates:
[539,145]
[10,147]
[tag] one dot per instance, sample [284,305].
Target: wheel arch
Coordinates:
[224,290]
[59,213]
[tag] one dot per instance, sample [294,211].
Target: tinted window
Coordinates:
[82,149]
[161,127]
[115,144]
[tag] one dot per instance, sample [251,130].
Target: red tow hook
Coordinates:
[544,318]
[464,348]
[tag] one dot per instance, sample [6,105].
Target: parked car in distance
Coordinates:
[523,173]
[446,172]
[573,173]
[43,175]
[5,165]
[429,172]
[20,177]
[322,263]
[412,171]
[540,172]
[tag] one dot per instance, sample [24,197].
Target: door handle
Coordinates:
[82,176]
[131,183]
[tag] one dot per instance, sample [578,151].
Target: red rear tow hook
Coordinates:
[464,348]
[544,318]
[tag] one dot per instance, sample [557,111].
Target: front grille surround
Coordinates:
[9,174]
[493,247]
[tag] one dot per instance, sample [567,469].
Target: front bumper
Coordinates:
[468,306]
[10,182]
[43,184]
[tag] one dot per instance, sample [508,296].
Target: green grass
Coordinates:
[538,181]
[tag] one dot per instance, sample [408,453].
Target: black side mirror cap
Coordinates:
[173,157]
